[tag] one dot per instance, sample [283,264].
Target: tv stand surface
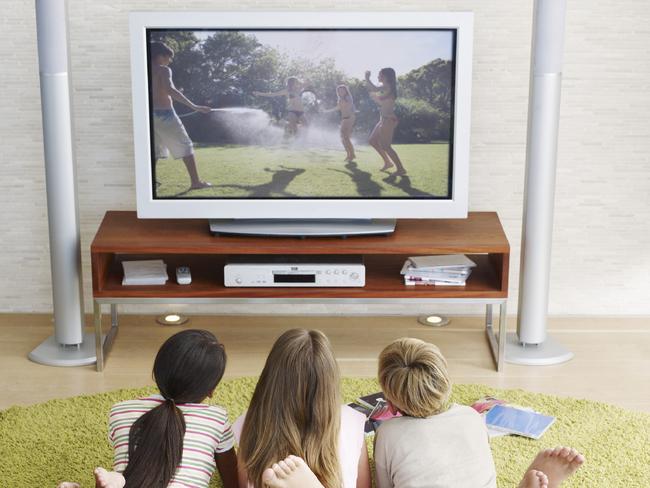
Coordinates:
[122,236]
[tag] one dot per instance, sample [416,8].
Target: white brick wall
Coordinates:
[601,253]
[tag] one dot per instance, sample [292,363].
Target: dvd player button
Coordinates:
[336,271]
[345,271]
[354,276]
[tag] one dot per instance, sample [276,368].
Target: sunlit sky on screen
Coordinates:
[358,51]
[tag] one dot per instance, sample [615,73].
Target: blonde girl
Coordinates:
[295,107]
[296,409]
[345,105]
[381,138]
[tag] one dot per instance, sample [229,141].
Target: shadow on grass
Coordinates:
[362,179]
[404,184]
[278,184]
[185,192]
[319,159]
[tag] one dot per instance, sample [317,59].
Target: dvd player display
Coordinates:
[307,271]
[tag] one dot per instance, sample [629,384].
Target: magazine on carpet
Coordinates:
[376,410]
[503,419]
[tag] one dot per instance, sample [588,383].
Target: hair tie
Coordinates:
[170,400]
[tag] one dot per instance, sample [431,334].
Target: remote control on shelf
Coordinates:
[183,275]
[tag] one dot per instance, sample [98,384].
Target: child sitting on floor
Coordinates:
[436,445]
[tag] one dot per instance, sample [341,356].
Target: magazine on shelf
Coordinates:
[420,282]
[440,275]
[442,261]
[147,272]
[445,270]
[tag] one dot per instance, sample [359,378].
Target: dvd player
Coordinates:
[303,271]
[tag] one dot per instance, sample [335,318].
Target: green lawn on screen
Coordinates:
[282,172]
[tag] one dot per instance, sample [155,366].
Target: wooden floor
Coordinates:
[612,362]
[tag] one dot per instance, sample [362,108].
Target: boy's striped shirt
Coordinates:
[207,432]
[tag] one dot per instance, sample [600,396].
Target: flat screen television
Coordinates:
[311,115]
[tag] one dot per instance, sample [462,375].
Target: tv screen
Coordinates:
[310,113]
[301,115]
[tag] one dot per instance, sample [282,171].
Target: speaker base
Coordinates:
[51,353]
[546,354]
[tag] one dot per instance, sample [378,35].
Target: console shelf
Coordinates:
[122,236]
[383,280]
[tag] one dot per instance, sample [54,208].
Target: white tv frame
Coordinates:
[302,208]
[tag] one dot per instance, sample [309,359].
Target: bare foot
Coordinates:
[108,479]
[292,472]
[68,484]
[400,172]
[387,167]
[200,184]
[534,479]
[557,464]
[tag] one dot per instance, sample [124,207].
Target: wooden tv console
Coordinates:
[122,236]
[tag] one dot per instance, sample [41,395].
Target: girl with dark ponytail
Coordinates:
[172,439]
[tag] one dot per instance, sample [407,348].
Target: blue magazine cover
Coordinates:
[518,421]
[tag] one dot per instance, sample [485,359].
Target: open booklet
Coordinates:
[502,419]
[376,410]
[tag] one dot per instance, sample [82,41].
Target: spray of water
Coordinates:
[254,126]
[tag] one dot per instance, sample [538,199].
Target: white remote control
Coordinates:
[183,275]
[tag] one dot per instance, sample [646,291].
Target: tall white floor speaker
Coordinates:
[69,346]
[531,345]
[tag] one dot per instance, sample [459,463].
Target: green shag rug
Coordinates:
[60,440]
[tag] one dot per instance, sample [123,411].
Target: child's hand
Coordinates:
[202,109]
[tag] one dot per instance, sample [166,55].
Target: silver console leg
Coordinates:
[107,342]
[99,350]
[114,322]
[502,335]
[497,342]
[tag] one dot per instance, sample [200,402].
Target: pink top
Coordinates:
[351,438]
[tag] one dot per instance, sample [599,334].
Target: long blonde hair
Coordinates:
[295,409]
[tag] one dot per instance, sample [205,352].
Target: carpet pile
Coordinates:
[44,444]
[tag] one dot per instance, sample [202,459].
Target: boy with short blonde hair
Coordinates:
[433,444]
[438,445]
[413,376]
